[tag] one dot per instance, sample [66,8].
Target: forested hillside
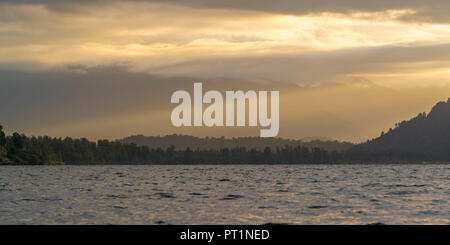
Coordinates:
[182,142]
[426,136]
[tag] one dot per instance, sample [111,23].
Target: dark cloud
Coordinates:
[426,11]
[42,99]
[56,97]
[429,11]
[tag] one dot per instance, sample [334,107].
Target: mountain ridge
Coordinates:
[215,143]
[425,136]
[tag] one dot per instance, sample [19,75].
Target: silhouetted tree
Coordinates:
[2,137]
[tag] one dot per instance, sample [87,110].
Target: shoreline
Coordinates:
[225,164]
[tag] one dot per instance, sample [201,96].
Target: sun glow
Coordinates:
[93,38]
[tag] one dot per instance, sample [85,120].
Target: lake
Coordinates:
[225,194]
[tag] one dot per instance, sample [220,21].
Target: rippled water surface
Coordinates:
[234,194]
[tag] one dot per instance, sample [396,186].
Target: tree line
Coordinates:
[20,149]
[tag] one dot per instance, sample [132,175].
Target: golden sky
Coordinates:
[106,69]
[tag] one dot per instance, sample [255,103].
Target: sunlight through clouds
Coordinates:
[361,64]
[123,31]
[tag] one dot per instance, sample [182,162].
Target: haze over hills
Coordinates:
[309,139]
[426,136]
[182,142]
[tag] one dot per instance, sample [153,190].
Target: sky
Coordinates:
[345,69]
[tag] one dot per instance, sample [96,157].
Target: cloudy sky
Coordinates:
[346,69]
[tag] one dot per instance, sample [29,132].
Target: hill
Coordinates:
[426,136]
[182,142]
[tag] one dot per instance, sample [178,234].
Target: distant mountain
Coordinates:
[309,139]
[184,141]
[426,136]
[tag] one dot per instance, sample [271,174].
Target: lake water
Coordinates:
[233,194]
